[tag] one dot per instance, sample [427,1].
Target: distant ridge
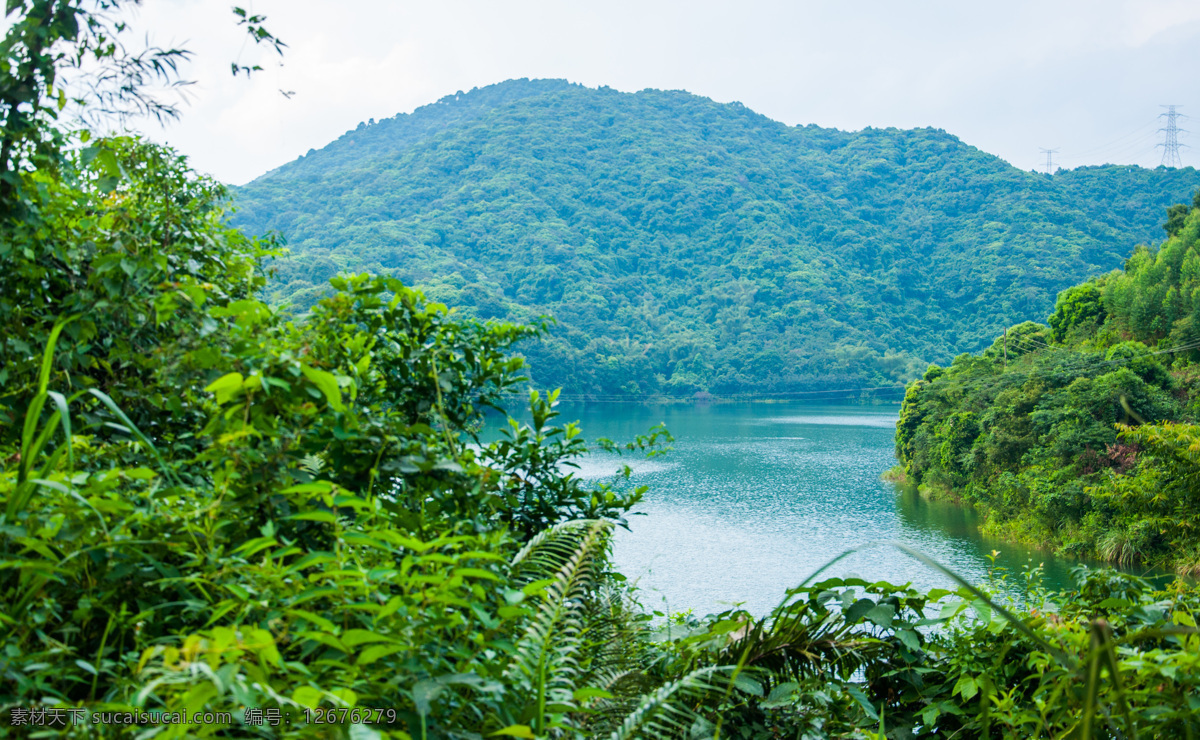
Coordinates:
[685,245]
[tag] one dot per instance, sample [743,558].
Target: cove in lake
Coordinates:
[756,497]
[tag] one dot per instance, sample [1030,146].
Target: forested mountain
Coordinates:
[685,245]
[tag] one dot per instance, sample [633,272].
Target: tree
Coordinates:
[1176,216]
[63,57]
[1076,306]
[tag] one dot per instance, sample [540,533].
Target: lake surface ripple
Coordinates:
[754,498]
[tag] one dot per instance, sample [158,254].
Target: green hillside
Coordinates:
[685,245]
[1081,435]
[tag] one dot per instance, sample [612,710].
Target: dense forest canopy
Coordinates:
[684,245]
[1080,435]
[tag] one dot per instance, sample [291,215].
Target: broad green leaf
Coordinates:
[966,687]
[476,573]
[325,639]
[307,696]
[747,685]
[316,619]
[521,731]
[781,695]
[347,697]
[391,607]
[863,701]
[424,692]
[858,610]
[590,693]
[328,385]
[355,637]
[909,639]
[315,516]
[225,387]
[364,732]
[375,652]
[881,615]
[313,593]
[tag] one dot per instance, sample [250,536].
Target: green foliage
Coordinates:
[1112,655]
[685,246]
[1049,440]
[311,525]
[205,506]
[1078,306]
[287,516]
[1156,502]
[1176,216]
[46,40]
[273,528]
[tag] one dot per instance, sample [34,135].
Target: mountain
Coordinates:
[684,245]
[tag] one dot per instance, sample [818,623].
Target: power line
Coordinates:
[1141,132]
[1139,149]
[1170,145]
[1138,144]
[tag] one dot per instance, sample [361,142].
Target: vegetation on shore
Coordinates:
[1080,434]
[265,528]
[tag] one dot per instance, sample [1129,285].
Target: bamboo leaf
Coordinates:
[48,352]
[356,637]
[112,406]
[315,516]
[375,652]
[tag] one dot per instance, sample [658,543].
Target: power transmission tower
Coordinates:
[1170,145]
[1049,160]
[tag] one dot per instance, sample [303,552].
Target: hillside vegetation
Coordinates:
[219,520]
[684,245]
[1081,434]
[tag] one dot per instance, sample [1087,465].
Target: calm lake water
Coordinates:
[756,497]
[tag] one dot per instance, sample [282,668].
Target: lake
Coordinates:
[756,497]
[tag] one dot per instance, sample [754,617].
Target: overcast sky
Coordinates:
[1086,78]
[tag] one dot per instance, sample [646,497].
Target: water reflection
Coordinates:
[963,524]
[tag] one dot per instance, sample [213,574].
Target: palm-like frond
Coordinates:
[800,641]
[612,631]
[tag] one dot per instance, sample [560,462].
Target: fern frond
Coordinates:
[546,552]
[312,463]
[548,655]
[613,635]
[667,711]
[628,688]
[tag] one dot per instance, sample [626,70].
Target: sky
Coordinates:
[1011,78]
